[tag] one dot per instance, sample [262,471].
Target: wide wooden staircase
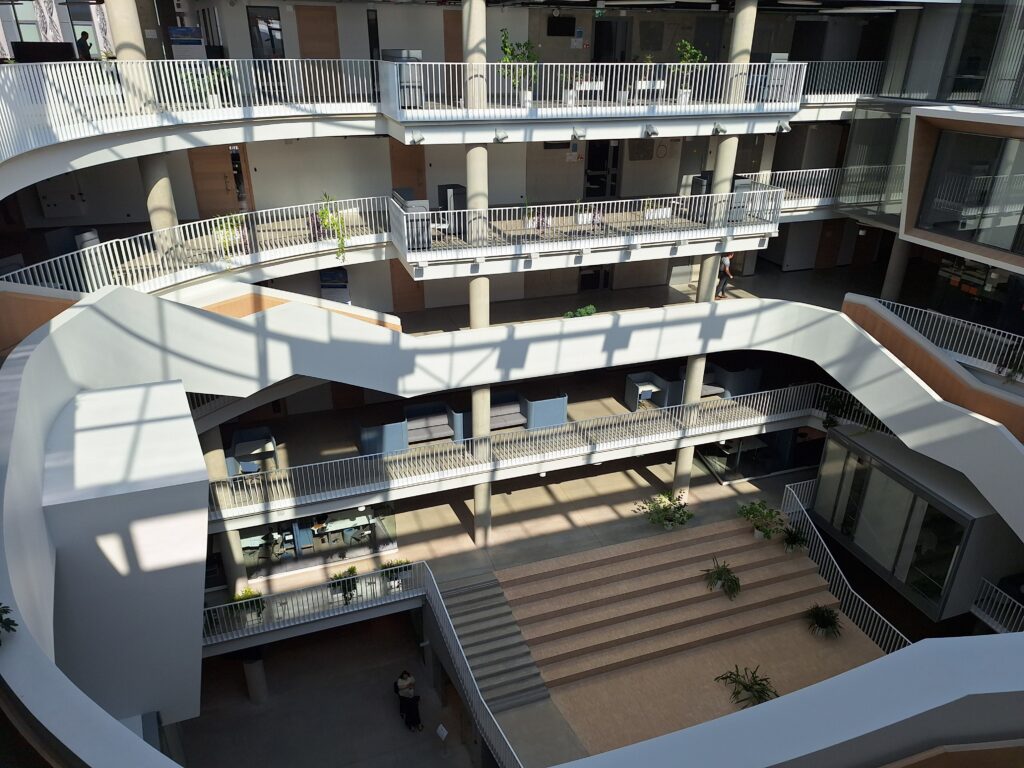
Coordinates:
[603,609]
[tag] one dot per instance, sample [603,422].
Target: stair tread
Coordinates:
[702,551]
[509,677]
[515,687]
[472,624]
[689,615]
[629,585]
[481,612]
[626,549]
[513,700]
[466,599]
[489,669]
[794,572]
[510,651]
[625,654]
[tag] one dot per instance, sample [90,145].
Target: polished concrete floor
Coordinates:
[331,704]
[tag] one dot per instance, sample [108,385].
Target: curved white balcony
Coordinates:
[422,91]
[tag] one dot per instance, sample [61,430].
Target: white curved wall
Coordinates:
[119,337]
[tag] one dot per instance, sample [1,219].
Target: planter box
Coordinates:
[683,96]
[526,99]
[653,214]
[569,97]
[585,219]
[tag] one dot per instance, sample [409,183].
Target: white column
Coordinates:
[477,193]
[233,558]
[126,30]
[480,317]
[156,181]
[741,42]
[474,49]
[896,270]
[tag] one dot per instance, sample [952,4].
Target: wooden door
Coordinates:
[830,243]
[408,168]
[317,26]
[453,36]
[213,177]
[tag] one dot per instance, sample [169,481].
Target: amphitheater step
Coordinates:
[622,653]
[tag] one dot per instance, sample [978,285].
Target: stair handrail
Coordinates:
[856,608]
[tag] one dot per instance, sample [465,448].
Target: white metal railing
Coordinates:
[266,613]
[795,500]
[976,196]
[812,188]
[439,91]
[978,345]
[998,609]
[440,235]
[42,104]
[339,478]
[869,184]
[156,260]
[840,82]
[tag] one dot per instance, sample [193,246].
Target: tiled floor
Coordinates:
[331,704]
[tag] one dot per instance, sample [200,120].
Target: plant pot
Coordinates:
[585,219]
[526,99]
[758,534]
[213,101]
[623,97]
[569,97]
[668,526]
[683,96]
[652,214]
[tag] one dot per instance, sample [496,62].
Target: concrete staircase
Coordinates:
[603,609]
[497,653]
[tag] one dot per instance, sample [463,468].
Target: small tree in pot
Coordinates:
[688,54]
[520,57]
[665,509]
[720,576]
[766,520]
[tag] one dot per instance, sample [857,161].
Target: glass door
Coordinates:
[265,32]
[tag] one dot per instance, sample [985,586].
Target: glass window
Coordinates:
[883,516]
[975,190]
[851,494]
[829,477]
[265,32]
[28,26]
[929,549]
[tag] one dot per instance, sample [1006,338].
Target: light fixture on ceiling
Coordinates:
[783,127]
[556,12]
[718,130]
[578,133]
[415,137]
[500,136]
[650,131]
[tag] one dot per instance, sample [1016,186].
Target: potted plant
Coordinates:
[331,225]
[748,687]
[793,538]
[767,521]
[6,624]
[653,212]
[393,571]
[665,509]
[205,87]
[688,54]
[649,80]
[344,584]
[823,621]
[721,576]
[518,56]
[230,232]
[587,311]
[830,403]
[250,604]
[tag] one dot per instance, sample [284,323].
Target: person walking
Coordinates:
[724,274]
[83,45]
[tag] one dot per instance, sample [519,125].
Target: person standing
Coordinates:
[724,274]
[408,701]
[83,45]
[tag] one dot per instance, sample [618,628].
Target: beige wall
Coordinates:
[640,274]
[549,178]
[22,313]
[551,282]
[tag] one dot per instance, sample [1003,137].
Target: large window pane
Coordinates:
[883,516]
[851,496]
[975,190]
[829,477]
[929,549]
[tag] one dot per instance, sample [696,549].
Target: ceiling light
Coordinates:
[799,2]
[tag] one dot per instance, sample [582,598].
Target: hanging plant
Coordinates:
[6,624]
[333,223]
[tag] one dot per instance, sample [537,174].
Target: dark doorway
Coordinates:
[611,41]
[595,278]
[372,33]
[808,41]
[265,32]
[602,171]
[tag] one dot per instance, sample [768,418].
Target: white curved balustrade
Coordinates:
[426,236]
[340,478]
[426,91]
[163,258]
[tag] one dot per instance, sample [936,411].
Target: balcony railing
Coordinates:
[329,480]
[156,260]
[815,188]
[998,609]
[796,498]
[258,615]
[970,197]
[422,91]
[427,236]
[977,345]
[42,104]
[842,82]
[871,184]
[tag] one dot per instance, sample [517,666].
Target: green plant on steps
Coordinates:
[748,687]
[721,576]
[7,624]
[586,311]
[793,539]
[344,583]
[333,224]
[665,509]
[824,621]
[766,520]
[516,54]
